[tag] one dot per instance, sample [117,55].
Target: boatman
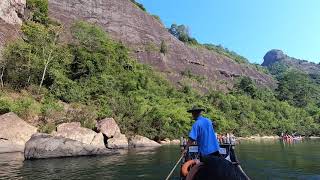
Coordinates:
[203,133]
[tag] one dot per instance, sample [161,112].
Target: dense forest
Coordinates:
[96,76]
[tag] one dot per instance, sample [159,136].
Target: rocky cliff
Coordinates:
[278,56]
[143,34]
[11,12]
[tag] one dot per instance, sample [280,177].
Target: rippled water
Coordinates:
[261,160]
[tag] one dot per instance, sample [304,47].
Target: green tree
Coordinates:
[38,59]
[163,47]
[247,86]
[38,10]
[296,88]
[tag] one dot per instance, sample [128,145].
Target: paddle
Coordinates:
[171,172]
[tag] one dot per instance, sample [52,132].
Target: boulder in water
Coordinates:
[140,141]
[76,132]
[119,141]
[42,146]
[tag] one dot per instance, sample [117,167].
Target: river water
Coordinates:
[261,160]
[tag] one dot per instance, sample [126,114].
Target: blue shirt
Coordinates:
[202,131]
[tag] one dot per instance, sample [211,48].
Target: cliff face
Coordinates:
[10,21]
[143,34]
[278,56]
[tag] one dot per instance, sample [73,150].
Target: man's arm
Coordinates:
[193,134]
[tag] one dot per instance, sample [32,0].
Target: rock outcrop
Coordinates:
[8,147]
[10,21]
[11,11]
[108,127]
[74,131]
[140,141]
[273,56]
[143,34]
[14,132]
[111,130]
[42,146]
[278,56]
[167,141]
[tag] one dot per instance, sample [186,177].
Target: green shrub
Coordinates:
[163,47]
[86,115]
[47,128]
[39,10]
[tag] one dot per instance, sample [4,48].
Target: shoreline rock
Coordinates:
[74,131]
[14,133]
[9,147]
[119,141]
[108,127]
[140,141]
[258,138]
[42,146]
[167,141]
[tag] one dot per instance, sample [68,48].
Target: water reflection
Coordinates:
[10,164]
[261,160]
[281,159]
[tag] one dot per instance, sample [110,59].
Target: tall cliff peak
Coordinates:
[273,56]
[278,56]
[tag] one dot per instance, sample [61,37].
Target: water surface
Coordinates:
[261,160]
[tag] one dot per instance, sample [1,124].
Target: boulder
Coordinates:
[140,141]
[119,141]
[108,127]
[175,142]
[98,141]
[8,147]
[14,132]
[76,132]
[165,142]
[42,146]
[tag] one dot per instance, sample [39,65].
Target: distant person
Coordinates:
[203,133]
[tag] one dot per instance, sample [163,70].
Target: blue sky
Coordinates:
[248,27]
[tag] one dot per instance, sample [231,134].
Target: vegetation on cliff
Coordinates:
[96,78]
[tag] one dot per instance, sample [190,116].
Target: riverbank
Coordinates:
[67,140]
[259,138]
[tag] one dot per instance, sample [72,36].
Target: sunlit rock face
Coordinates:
[11,11]
[143,34]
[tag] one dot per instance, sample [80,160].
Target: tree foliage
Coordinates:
[99,79]
[139,5]
[39,10]
[182,33]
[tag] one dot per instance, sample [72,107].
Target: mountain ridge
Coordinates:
[276,56]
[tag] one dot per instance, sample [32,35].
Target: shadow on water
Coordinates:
[261,160]
[135,164]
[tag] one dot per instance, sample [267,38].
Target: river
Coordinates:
[261,160]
